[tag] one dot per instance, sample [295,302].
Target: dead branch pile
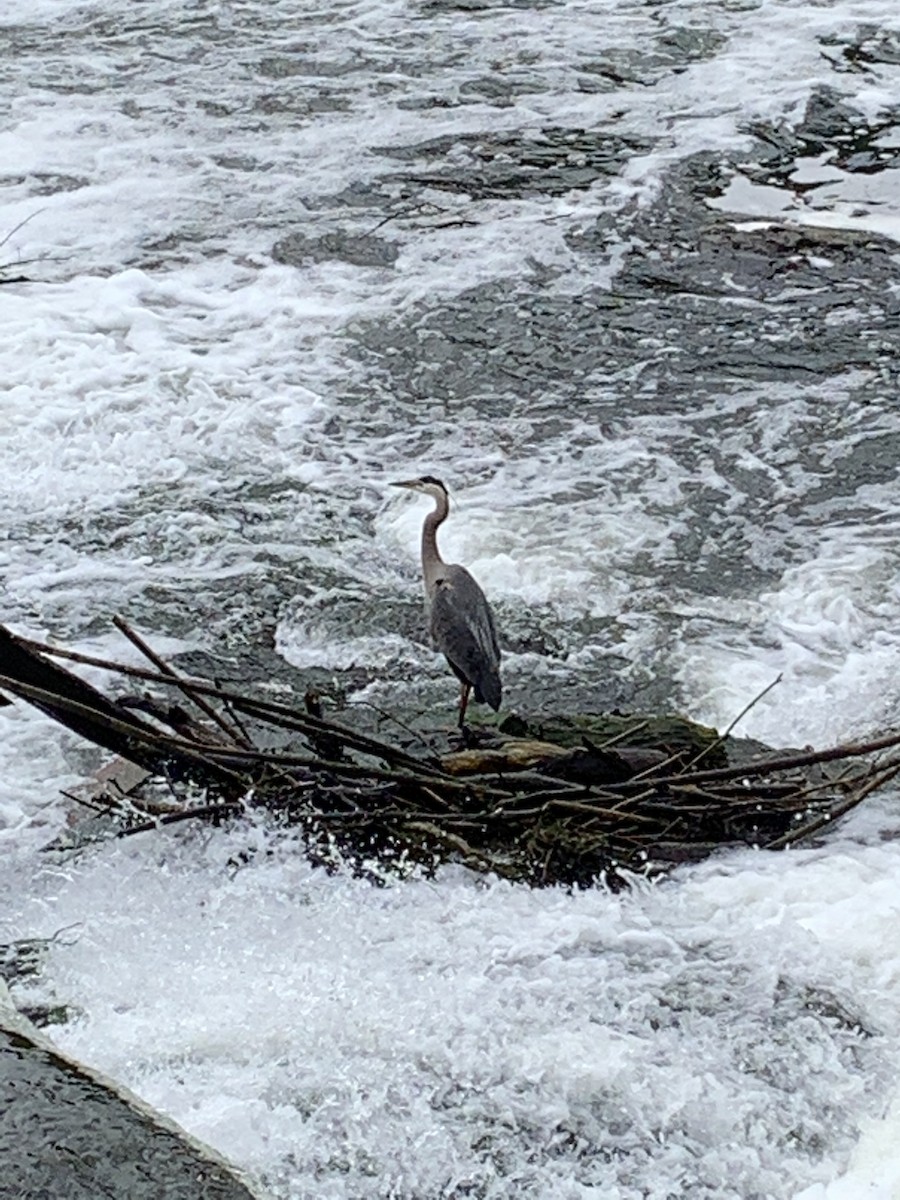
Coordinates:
[525,808]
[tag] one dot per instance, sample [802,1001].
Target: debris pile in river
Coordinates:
[566,801]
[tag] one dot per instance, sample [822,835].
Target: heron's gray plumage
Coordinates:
[462,623]
[463,629]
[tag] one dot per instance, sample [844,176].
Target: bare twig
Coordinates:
[226,704]
[202,812]
[768,766]
[182,684]
[454,841]
[621,737]
[839,810]
[389,716]
[354,770]
[722,736]
[84,802]
[21,225]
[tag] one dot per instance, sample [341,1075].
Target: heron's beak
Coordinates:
[412,484]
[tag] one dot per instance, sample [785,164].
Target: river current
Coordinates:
[627,277]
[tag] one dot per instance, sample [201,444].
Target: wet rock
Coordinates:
[67,1133]
[689,287]
[357,195]
[550,161]
[500,89]
[828,119]
[429,7]
[361,250]
[830,127]
[49,185]
[685,44]
[870,45]
[302,102]
[675,48]
[237,162]
[674,734]
[424,103]
[285,66]
[623,67]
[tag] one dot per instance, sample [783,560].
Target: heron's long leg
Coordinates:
[463,701]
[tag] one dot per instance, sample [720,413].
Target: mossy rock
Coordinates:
[668,732]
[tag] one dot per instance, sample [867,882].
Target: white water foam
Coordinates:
[441,1035]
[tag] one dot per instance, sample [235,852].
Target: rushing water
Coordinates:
[622,274]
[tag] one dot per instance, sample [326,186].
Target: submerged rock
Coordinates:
[549,161]
[357,249]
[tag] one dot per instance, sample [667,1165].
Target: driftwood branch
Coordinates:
[770,766]
[520,807]
[267,711]
[73,702]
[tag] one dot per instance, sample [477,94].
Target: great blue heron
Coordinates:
[462,623]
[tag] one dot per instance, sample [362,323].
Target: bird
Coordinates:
[462,624]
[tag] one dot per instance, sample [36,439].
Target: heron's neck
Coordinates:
[431,556]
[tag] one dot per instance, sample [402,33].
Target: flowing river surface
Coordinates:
[627,276]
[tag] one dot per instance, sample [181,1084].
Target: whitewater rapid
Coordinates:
[198,421]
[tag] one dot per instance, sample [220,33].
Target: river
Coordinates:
[626,276]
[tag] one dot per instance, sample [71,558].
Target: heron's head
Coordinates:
[427,484]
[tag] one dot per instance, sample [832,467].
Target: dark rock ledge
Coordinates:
[68,1132]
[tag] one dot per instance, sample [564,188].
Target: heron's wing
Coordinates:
[463,628]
